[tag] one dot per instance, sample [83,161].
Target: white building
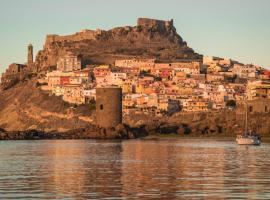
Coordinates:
[244,71]
[69,62]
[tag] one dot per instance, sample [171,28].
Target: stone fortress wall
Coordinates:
[83,35]
[161,24]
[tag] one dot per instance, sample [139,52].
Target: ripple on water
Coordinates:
[137,169]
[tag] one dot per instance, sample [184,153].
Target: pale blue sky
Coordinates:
[237,29]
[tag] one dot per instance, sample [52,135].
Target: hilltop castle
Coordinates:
[160,24]
[86,34]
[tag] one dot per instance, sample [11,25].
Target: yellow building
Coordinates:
[213,68]
[180,74]
[126,88]
[185,90]
[139,88]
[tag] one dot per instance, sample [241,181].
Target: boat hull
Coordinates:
[248,141]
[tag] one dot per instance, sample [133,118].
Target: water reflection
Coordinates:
[137,169]
[85,169]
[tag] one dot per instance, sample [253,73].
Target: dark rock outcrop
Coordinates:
[91,132]
[213,123]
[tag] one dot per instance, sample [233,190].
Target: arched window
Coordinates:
[101,107]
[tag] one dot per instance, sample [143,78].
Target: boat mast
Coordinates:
[246,121]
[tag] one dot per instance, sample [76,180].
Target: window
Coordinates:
[101,107]
[266,109]
[250,109]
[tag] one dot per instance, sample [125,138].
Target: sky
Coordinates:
[237,29]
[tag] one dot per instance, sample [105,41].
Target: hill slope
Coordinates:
[25,106]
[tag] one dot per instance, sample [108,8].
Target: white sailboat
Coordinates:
[248,138]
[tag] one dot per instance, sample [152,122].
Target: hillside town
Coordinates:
[161,88]
[158,88]
[144,78]
[124,99]
[192,83]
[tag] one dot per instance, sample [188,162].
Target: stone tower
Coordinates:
[30,55]
[108,107]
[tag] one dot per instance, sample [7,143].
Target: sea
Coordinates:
[134,169]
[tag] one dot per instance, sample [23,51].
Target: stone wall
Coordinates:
[154,23]
[14,69]
[83,35]
[14,74]
[261,105]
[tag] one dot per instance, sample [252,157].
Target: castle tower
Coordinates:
[30,55]
[108,107]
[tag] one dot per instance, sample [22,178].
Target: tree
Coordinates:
[157,78]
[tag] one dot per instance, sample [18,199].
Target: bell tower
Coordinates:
[30,54]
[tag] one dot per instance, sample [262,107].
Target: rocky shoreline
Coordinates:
[226,123]
[92,132]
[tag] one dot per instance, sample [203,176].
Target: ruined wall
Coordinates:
[161,24]
[83,35]
[12,75]
[108,107]
[16,73]
[14,68]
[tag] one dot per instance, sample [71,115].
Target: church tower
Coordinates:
[30,55]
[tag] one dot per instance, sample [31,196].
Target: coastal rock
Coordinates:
[181,130]
[225,122]
[92,132]
[2,135]
[167,129]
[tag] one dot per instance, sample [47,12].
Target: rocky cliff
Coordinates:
[149,39]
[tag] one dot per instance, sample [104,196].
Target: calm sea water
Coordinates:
[135,169]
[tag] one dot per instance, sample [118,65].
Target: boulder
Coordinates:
[181,130]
